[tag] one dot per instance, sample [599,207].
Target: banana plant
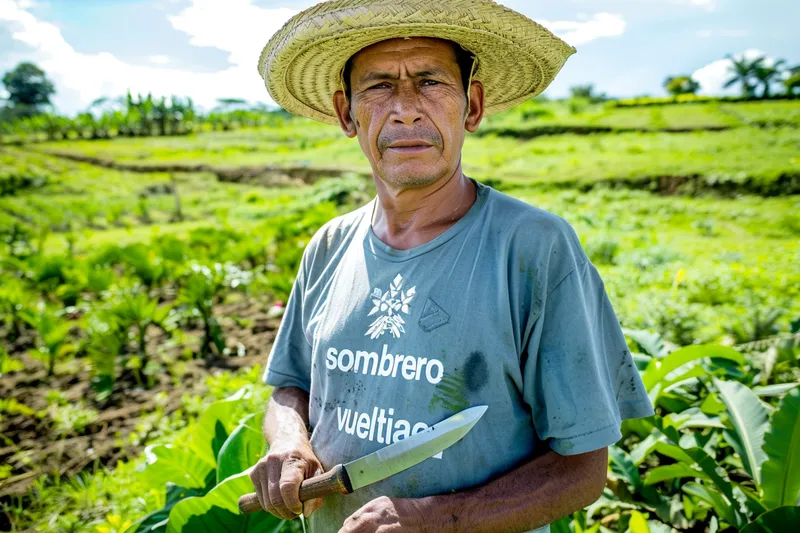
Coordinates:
[138,311]
[53,335]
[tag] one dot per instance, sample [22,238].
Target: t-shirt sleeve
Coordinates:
[579,377]
[289,363]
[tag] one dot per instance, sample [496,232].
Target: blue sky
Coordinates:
[208,49]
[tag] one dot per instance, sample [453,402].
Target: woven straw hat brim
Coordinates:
[303,61]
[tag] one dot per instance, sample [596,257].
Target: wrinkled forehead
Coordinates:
[384,54]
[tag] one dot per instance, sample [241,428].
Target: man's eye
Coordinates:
[379,86]
[432,81]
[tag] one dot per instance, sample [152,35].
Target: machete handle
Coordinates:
[334,481]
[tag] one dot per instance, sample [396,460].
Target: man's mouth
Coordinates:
[409,147]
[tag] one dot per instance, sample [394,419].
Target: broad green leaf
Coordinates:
[242,449]
[218,511]
[715,499]
[650,342]
[780,473]
[156,522]
[750,419]
[674,471]
[780,520]
[712,405]
[644,448]
[180,466]
[673,451]
[715,472]
[638,523]
[626,467]
[774,390]
[206,430]
[750,499]
[659,368]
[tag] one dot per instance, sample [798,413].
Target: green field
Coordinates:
[149,287]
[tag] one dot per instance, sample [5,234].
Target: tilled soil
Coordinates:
[30,441]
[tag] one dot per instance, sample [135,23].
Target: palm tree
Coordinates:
[743,71]
[766,75]
[792,83]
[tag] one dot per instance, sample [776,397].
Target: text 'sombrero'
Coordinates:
[302,63]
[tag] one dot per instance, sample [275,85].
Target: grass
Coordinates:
[717,156]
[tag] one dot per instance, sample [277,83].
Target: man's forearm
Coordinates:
[287,416]
[534,494]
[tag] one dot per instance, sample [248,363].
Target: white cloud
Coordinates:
[581,32]
[713,76]
[237,27]
[158,60]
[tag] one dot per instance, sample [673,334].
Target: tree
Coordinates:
[587,91]
[792,83]
[28,89]
[676,85]
[767,74]
[743,71]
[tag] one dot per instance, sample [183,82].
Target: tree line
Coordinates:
[749,74]
[29,115]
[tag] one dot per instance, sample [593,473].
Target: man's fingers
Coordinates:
[312,505]
[276,504]
[291,477]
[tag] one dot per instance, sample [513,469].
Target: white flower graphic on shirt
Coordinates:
[394,303]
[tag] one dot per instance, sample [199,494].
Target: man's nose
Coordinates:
[406,108]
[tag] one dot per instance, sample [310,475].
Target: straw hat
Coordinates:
[302,64]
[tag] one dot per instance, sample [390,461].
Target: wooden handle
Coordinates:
[334,481]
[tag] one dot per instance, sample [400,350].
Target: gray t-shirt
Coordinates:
[503,309]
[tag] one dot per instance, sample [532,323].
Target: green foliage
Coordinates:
[780,472]
[28,89]
[677,85]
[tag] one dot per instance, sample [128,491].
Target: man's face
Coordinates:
[409,91]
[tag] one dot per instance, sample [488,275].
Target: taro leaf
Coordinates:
[674,471]
[220,436]
[658,369]
[218,511]
[156,522]
[182,466]
[750,419]
[780,473]
[243,448]
[780,520]
[205,431]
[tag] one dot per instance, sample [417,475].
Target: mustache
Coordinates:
[432,137]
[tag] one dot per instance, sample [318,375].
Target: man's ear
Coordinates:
[342,107]
[475,109]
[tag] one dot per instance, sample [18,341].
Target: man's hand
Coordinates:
[290,460]
[277,479]
[386,515]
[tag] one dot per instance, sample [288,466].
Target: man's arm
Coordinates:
[290,460]
[536,493]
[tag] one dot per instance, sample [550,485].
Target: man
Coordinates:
[441,293]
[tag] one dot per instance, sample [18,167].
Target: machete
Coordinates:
[383,463]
